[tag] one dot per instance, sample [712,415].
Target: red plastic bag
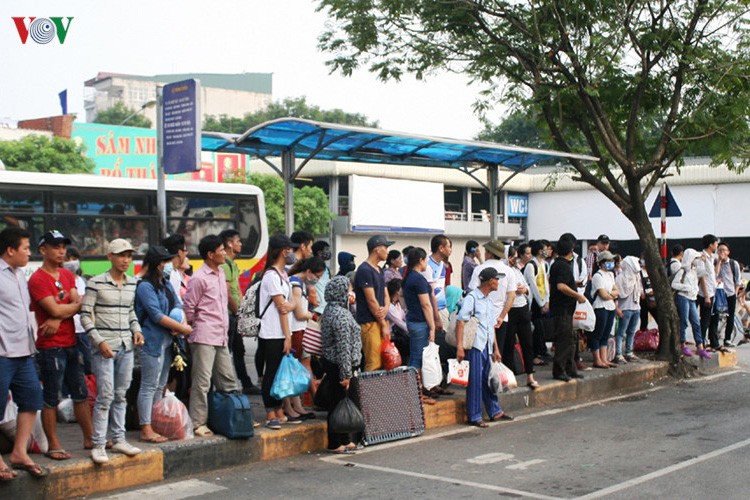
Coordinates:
[170,418]
[646,340]
[390,356]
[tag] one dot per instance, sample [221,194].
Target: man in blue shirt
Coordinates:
[478,304]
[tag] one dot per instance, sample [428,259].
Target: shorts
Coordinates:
[57,364]
[20,377]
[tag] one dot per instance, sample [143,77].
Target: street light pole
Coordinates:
[145,105]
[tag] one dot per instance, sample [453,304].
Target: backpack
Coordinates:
[590,293]
[249,313]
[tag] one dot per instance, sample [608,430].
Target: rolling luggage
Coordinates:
[389,402]
[230,414]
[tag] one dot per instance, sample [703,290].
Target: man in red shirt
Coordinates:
[55,300]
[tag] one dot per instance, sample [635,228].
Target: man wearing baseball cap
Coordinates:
[55,300]
[372,296]
[108,315]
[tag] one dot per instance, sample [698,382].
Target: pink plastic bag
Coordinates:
[170,418]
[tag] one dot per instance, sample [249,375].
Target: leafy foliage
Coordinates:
[310,204]
[296,107]
[118,113]
[37,153]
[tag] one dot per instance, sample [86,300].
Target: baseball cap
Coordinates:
[603,238]
[489,273]
[158,252]
[378,240]
[496,248]
[605,255]
[119,245]
[281,241]
[53,237]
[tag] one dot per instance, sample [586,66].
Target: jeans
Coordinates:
[688,312]
[113,378]
[478,391]
[20,377]
[600,336]
[84,346]
[419,335]
[154,375]
[626,328]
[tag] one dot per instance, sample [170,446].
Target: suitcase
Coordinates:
[389,402]
[230,414]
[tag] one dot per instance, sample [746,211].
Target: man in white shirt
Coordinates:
[707,290]
[441,249]
[502,297]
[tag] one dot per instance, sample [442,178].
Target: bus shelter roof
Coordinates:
[307,139]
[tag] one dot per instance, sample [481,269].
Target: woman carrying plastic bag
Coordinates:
[478,304]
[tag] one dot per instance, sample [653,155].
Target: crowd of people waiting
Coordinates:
[520,295]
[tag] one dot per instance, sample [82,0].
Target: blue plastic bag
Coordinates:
[720,305]
[292,379]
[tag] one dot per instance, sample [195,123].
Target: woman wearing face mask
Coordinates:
[155,301]
[603,282]
[685,282]
[628,307]
[304,274]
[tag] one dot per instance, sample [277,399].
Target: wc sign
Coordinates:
[42,30]
[518,206]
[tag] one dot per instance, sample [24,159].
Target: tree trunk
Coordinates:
[666,311]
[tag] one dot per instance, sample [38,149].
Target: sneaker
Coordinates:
[620,359]
[686,351]
[273,424]
[632,357]
[99,455]
[125,448]
[703,353]
[582,368]
[728,344]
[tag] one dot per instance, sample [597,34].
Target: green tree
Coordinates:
[295,107]
[118,113]
[310,205]
[38,153]
[633,83]
[517,129]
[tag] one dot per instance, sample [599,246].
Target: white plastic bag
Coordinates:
[170,418]
[65,411]
[458,373]
[501,378]
[37,442]
[584,317]
[432,372]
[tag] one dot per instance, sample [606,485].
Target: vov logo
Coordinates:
[42,29]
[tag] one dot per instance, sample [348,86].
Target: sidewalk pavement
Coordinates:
[80,477]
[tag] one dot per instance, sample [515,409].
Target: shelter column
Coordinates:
[287,170]
[492,183]
[467,202]
[333,206]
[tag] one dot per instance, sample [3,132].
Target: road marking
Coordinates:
[525,465]
[173,491]
[490,458]
[490,487]
[665,471]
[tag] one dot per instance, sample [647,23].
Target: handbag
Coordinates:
[312,341]
[292,379]
[470,330]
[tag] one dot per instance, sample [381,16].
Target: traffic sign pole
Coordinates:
[664,221]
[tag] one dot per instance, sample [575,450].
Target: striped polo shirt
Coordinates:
[108,312]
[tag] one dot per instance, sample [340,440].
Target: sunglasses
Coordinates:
[61,292]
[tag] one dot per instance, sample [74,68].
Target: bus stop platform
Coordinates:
[79,476]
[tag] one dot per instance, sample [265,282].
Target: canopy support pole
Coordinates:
[493,178]
[333,206]
[287,168]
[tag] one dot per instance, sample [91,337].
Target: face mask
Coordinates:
[168,268]
[406,260]
[643,262]
[609,266]
[545,253]
[291,259]
[72,265]
[325,255]
[311,282]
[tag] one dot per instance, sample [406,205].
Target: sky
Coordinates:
[219,36]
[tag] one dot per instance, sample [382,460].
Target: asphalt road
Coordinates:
[680,440]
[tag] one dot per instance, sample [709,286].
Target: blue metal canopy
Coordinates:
[308,139]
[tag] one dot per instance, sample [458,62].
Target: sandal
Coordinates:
[7,474]
[202,431]
[502,416]
[34,469]
[60,454]
[427,400]
[539,362]
[442,391]
[155,439]
[478,423]
[533,385]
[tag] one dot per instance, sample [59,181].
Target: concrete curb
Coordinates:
[80,477]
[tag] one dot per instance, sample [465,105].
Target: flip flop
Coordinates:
[155,439]
[60,454]
[7,474]
[502,416]
[35,470]
[478,423]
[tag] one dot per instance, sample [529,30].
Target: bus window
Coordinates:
[21,201]
[91,235]
[201,206]
[249,225]
[34,225]
[195,229]
[100,204]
